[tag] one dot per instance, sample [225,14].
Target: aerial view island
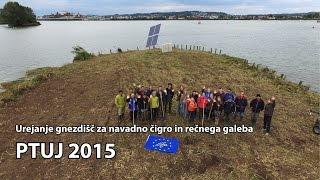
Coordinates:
[192,90]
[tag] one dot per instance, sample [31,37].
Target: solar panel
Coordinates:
[151,32]
[157,29]
[154,40]
[149,41]
[153,35]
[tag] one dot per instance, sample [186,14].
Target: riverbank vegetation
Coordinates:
[81,54]
[16,15]
[83,93]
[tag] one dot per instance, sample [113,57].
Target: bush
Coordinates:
[81,54]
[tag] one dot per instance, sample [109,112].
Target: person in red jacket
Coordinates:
[202,104]
[192,108]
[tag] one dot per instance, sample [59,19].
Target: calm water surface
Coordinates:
[290,47]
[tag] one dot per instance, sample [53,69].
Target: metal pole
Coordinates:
[133,108]
[203,114]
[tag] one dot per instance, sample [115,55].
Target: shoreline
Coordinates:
[24,25]
[36,76]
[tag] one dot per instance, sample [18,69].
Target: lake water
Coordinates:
[289,47]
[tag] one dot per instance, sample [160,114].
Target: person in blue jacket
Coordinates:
[228,105]
[133,106]
[229,96]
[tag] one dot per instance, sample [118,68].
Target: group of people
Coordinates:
[146,103]
[218,105]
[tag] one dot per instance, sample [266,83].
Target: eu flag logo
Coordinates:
[162,144]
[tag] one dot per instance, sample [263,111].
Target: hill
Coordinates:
[83,93]
[183,15]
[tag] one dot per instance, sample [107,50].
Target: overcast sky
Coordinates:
[106,7]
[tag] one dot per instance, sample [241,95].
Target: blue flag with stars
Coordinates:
[162,144]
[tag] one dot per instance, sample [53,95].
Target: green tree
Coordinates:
[16,15]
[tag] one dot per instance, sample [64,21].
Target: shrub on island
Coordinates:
[81,54]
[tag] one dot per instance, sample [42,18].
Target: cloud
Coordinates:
[133,6]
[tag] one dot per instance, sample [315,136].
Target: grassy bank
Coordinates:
[83,92]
